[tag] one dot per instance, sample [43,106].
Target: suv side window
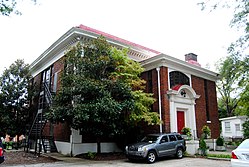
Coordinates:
[172,138]
[179,137]
[164,139]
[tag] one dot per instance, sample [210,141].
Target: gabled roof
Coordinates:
[163,60]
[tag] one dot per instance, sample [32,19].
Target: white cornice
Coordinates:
[57,49]
[163,60]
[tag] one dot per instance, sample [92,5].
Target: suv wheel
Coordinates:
[179,153]
[151,157]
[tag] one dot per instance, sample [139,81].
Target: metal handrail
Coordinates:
[33,123]
[47,93]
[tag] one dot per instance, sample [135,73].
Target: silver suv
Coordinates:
[157,145]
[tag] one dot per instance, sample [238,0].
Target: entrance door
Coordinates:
[180,121]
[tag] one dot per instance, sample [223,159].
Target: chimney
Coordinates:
[192,59]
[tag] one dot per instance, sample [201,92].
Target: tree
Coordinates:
[227,87]
[9,6]
[240,21]
[238,68]
[101,92]
[14,84]
[233,69]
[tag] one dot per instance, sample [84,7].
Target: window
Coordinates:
[164,139]
[227,127]
[237,127]
[55,82]
[206,99]
[172,138]
[179,137]
[46,76]
[177,77]
[149,82]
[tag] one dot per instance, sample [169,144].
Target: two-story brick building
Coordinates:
[185,92]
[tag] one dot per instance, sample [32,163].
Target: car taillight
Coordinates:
[1,151]
[234,156]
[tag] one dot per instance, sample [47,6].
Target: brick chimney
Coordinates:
[191,58]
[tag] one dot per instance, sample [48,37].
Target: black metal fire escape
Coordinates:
[37,142]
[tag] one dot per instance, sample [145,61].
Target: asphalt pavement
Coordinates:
[66,161]
[172,162]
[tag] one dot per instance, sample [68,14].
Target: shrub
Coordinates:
[186,131]
[91,155]
[220,155]
[202,144]
[203,147]
[206,131]
[220,141]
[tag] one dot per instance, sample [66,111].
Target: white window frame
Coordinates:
[227,127]
[237,127]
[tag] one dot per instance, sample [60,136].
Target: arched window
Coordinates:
[177,78]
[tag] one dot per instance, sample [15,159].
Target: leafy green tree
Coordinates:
[227,87]
[14,84]
[246,129]
[9,6]
[236,67]
[101,92]
[239,20]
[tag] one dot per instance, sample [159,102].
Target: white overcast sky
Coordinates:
[173,27]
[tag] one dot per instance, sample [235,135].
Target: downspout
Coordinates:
[159,98]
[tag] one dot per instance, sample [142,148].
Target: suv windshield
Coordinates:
[150,139]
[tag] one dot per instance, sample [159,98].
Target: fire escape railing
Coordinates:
[48,94]
[35,132]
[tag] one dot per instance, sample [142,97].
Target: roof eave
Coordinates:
[177,64]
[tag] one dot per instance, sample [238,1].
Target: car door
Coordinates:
[162,146]
[172,144]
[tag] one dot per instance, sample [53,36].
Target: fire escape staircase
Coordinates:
[37,142]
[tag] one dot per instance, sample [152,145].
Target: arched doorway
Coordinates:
[182,108]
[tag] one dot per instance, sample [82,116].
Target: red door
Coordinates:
[180,121]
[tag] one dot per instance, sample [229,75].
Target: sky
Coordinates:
[172,27]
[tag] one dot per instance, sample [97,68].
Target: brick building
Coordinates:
[185,92]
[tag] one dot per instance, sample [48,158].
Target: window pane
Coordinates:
[227,127]
[177,78]
[172,138]
[237,127]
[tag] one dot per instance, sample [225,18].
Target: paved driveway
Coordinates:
[169,162]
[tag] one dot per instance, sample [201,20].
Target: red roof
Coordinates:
[89,29]
[176,87]
[194,62]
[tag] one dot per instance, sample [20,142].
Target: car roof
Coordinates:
[162,134]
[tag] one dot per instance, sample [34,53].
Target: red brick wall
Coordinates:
[164,101]
[200,107]
[61,131]
[37,79]
[58,67]
[213,109]
[151,129]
